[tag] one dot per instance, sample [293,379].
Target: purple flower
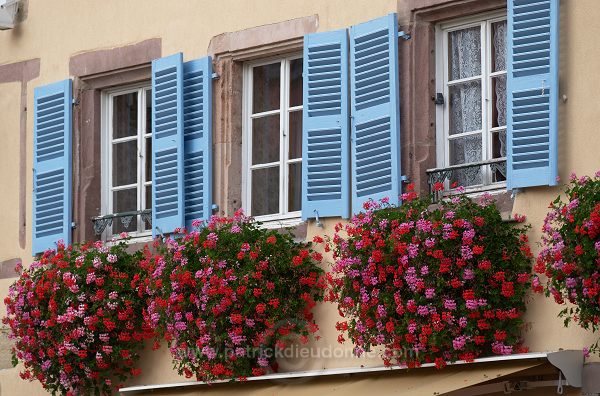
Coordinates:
[466,252]
[459,342]
[429,293]
[450,304]
[413,250]
[412,327]
[422,310]
[209,352]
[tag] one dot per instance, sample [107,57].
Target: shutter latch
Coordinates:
[403,35]
[438,99]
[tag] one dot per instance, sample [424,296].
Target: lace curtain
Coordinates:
[500,86]
[465,102]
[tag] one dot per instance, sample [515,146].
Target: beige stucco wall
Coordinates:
[56,30]
[10,102]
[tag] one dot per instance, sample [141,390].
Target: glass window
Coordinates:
[273,138]
[474,113]
[127,158]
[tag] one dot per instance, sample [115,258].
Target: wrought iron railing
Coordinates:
[127,221]
[441,175]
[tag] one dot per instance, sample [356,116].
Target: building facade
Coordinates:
[261,68]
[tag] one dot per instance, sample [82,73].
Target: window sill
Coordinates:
[277,223]
[134,239]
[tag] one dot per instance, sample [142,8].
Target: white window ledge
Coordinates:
[569,362]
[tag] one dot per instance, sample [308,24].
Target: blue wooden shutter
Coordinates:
[325,129]
[375,111]
[197,134]
[52,124]
[532,87]
[167,144]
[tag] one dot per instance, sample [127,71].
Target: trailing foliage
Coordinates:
[227,296]
[76,319]
[431,283]
[570,254]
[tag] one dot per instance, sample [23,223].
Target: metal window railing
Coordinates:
[128,220]
[441,175]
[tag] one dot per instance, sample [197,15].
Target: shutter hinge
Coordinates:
[214,208]
[215,76]
[73,225]
[404,179]
[438,99]
[403,35]
[76,101]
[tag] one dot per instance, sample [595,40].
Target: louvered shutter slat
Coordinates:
[375,111]
[532,87]
[197,131]
[167,144]
[325,132]
[52,165]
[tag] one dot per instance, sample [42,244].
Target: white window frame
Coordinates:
[106,155]
[484,21]
[283,218]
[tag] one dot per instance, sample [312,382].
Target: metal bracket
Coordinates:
[438,99]
[404,179]
[214,208]
[215,76]
[73,225]
[514,193]
[318,222]
[403,35]
[570,363]
[76,101]
[159,231]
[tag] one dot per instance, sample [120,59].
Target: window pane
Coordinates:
[266,87]
[149,111]
[124,201]
[147,225]
[295,134]
[265,139]
[499,46]
[295,187]
[125,112]
[148,196]
[464,48]
[148,159]
[296,82]
[465,107]
[498,151]
[265,191]
[463,151]
[124,163]
[499,144]
[499,101]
